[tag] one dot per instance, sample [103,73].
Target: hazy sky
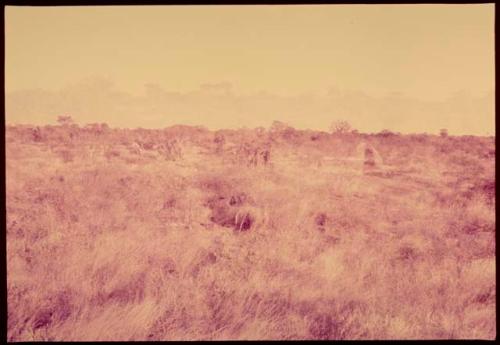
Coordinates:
[427,54]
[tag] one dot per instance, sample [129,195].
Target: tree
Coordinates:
[65,120]
[97,128]
[340,126]
[260,130]
[279,126]
[385,133]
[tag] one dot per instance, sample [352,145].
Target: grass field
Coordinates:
[112,236]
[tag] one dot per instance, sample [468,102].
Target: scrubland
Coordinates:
[112,237]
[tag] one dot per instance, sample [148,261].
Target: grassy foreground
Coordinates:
[129,235]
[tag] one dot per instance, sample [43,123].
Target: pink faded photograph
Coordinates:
[285,172]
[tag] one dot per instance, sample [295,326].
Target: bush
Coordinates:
[340,127]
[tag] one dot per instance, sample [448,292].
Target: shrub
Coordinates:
[340,127]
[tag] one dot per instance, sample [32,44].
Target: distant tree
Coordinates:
[385,133]
[65,120]
[443,132]
[260,130]
[290,133]
[340,126]
[282,131]
[279,126]
[97,128]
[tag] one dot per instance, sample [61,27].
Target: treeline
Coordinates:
[66,132]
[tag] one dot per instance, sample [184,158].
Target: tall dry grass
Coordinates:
[108,244]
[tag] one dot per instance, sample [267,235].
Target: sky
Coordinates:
[408,68]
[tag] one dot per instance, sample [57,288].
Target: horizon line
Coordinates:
[353,131]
